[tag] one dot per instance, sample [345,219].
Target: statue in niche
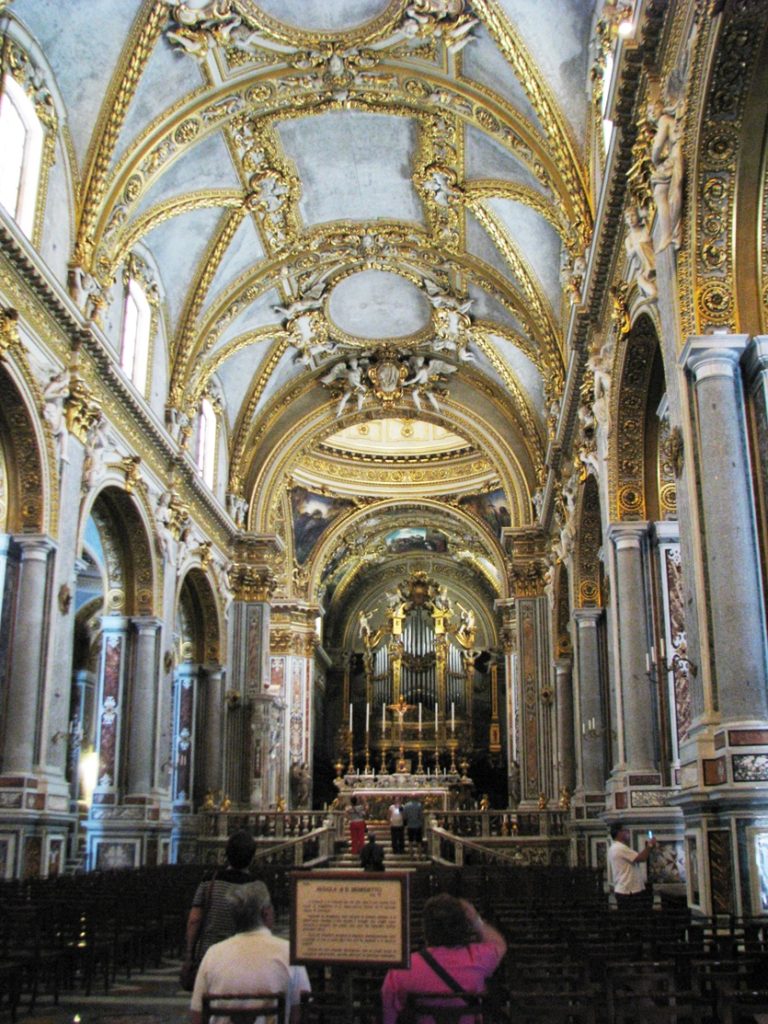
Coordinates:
[639,249]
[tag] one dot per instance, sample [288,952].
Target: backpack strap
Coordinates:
[441,972]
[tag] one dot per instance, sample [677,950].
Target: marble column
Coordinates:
[637,712]
[564,709]
[186,684]
[732,566]
[142,761]
[27,667]
[111,710]
[211,743]
[249,679]
[508,613]
[590,748]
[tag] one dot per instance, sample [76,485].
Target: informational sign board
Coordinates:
[350,916]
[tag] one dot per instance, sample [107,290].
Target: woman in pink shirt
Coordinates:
[462,943]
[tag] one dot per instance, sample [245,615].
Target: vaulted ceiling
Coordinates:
[360,215]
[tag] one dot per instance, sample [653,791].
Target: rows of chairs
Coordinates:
[571,958]
[78,931]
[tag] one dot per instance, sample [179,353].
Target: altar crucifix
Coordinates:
[400,710]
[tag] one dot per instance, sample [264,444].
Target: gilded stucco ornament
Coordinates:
[10,338]
[387,375]
[196,29]
[272,180]
[449,20]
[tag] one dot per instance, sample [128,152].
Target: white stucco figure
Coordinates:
[639,249]
[351,375]
[668,171]
[54,395]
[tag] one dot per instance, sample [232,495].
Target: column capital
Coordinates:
[713,355]
[34,546]
[115,623]
[628,534]
[587,618]
[146,623]
[755,358]
[666,531]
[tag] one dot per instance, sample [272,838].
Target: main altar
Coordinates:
[410,715]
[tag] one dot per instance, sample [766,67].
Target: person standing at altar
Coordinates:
[413,813]
[356,813]
[397,825]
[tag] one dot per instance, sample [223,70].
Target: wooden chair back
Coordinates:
[253,1008]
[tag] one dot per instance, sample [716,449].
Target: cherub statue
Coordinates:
[350,375]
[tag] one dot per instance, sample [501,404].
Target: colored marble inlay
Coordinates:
[750,767]
[748,737]
[721,871]
[714,771]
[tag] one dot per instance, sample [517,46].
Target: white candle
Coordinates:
[383,718]
[350,718]
[435,719]
[453,718]
[653,655]
[367,716]
[662,648]
[647,663]
[419,717]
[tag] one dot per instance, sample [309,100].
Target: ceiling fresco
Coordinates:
[365,219]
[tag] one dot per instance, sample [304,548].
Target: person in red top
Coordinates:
[467,947]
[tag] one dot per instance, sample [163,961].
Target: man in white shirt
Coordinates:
[626,870]
[253,960]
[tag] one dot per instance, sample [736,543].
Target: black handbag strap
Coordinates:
[441,972]
[206,906]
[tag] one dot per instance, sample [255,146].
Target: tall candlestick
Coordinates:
[350,718]
[367,717]
[453,718]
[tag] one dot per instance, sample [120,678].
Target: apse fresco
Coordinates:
[312,514]
[416,538]
[492,508]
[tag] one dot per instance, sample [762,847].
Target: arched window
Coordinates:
[21,143]
[206,442]
[137,324]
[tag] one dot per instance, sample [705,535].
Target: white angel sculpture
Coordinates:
[351,376]
[425,374]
